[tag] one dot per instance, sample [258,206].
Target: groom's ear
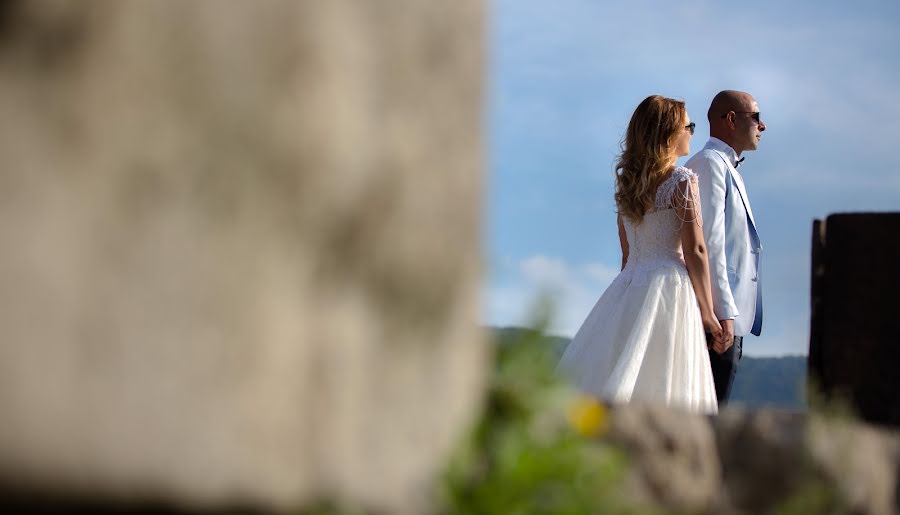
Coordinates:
[729,119]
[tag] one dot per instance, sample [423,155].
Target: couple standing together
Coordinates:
[669,329]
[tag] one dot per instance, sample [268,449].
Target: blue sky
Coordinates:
[564,78]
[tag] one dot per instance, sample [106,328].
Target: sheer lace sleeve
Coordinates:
[680,191]
[686,200]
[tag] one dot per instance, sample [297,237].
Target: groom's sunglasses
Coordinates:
[690,127]
[753,114]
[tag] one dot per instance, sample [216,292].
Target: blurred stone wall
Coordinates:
[240,247]
[762,461]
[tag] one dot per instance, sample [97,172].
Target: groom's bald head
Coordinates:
[728,100]
[734,118]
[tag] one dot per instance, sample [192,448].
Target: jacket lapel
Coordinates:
[739,183]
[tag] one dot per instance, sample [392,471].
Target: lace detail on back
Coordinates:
[655,243]
[669,197]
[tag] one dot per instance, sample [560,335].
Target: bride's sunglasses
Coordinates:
[690,127]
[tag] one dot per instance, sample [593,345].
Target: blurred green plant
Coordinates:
[813,498]
[534,449]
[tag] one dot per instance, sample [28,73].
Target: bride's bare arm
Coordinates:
[687,207]
[623,241]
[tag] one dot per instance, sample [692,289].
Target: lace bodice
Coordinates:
[656,241]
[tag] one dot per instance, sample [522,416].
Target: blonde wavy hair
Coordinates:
[648,152]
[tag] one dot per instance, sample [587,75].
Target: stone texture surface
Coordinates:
[861,462]
[240,247]
[763,455]
[674,457]
[757,461]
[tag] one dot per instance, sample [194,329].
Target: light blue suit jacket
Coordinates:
[731,238]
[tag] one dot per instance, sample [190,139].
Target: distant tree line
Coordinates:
[777,382]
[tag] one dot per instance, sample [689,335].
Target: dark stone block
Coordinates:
[854,335]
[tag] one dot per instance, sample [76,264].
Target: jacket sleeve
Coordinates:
[711,175]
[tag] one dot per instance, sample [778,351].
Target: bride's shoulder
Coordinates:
[675,182]
[681,173]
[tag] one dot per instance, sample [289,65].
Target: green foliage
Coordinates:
[814,498]
[523,455]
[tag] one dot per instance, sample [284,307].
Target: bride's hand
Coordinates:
[712,326]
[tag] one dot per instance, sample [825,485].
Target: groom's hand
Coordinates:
[727,336]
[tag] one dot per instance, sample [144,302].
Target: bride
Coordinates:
[644,339]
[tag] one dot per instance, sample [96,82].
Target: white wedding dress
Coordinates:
[644,340]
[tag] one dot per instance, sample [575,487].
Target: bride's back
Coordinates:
[657,236]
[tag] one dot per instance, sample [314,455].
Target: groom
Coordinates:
[729,229]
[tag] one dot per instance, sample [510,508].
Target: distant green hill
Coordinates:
[771,382]
[776,382]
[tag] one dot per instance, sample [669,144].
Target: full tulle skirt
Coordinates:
[644,341]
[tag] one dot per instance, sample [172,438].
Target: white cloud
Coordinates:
[544,271]
[572,291]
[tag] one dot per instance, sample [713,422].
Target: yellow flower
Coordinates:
[588,417]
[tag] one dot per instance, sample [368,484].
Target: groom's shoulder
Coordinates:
[707,153]
[705,159]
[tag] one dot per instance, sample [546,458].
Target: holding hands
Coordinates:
[722,332]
